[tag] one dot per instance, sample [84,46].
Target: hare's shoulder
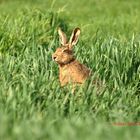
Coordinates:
[78,67]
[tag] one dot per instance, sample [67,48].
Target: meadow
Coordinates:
[33,106]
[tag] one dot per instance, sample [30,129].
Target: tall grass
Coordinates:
[32,103]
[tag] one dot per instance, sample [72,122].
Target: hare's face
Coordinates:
[63,55]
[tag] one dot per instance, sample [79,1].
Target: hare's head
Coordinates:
[64,54]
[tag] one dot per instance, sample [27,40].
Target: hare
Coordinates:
[70,69]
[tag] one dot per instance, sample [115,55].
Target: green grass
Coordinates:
[32,103]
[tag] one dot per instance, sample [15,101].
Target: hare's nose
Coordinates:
[54,57]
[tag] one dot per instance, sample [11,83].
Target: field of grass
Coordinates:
[33,106]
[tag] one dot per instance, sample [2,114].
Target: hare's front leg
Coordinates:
[73,88]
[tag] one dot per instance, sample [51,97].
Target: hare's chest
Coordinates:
[64,76]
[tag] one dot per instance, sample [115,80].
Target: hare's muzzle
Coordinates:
[54,57]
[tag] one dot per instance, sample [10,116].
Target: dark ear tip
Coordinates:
[77,30]
[60,29]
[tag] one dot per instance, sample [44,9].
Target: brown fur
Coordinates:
[70,70]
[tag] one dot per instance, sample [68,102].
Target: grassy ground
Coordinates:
[32,103]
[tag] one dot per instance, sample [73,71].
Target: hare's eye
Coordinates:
[65,50]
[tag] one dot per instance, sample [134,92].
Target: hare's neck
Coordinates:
[69,63]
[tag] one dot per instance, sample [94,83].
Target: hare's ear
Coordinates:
[74,37]
[62,36]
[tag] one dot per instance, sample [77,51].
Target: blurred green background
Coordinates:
[32,103]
